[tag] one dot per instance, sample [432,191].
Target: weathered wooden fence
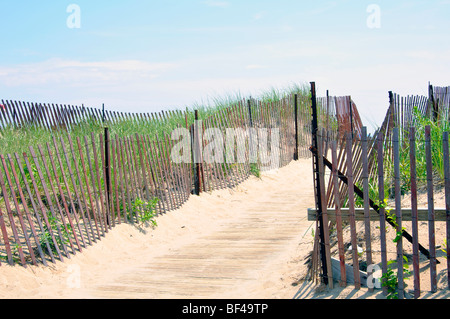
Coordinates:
[18,114]
[61,197]
[366,220]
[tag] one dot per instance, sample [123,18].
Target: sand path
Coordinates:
[240,243]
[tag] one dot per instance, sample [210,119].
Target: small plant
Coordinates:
[14,253]
[45,237]
[147,210]
[444,249]
[390,278]
[254,170]
[390,216]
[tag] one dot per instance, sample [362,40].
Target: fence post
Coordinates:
[431,216]
[337,203]
[296,126]
[382,210]
[431,101]
[445,144]
[249,105]
[196,153]
[351,205]
[365,179]
[398,210]
[107,174]
[414,217]
[351,114]
[103,113]
[317,182]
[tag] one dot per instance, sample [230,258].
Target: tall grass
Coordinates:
[419,122]
[18,140]
[437,128]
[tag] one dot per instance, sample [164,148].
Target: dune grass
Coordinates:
[419,122]
[19,140]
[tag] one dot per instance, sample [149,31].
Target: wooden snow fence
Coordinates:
[67,194]
[362,176]
[386,225]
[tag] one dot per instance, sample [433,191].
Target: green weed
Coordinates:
[254,170]
[46,237]
[147,212]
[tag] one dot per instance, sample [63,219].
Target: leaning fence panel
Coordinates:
[393,231]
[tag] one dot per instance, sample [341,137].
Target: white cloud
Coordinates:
[330,5]
[78,73]
[255,66]
[421,54]
[286,28]
[259,15]
[217,3]
[125,85]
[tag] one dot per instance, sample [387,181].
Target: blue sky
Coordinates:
[154,55]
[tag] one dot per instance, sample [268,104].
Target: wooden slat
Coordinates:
[27,213]
[154,168]
[326,243]
[88,188]
[95,192]
[125,171]
[431,214]
[82,192]
[136,168]
[447,199]
[49,200]
[99,184]
[164,172]
[42,209]
[365,179]
[142,164]
[382,211]
[63,198]
[115,183]
[132,177]
[414,222]
[343,279]
[60,210]
[66,185]
[122,177]
[30,195]
[12,223]
[173,170]
[398,212]
[351,202]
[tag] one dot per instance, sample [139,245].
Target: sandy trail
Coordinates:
[248,242]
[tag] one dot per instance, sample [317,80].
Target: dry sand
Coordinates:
[249,242]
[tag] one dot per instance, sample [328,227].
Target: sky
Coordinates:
[147,56]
